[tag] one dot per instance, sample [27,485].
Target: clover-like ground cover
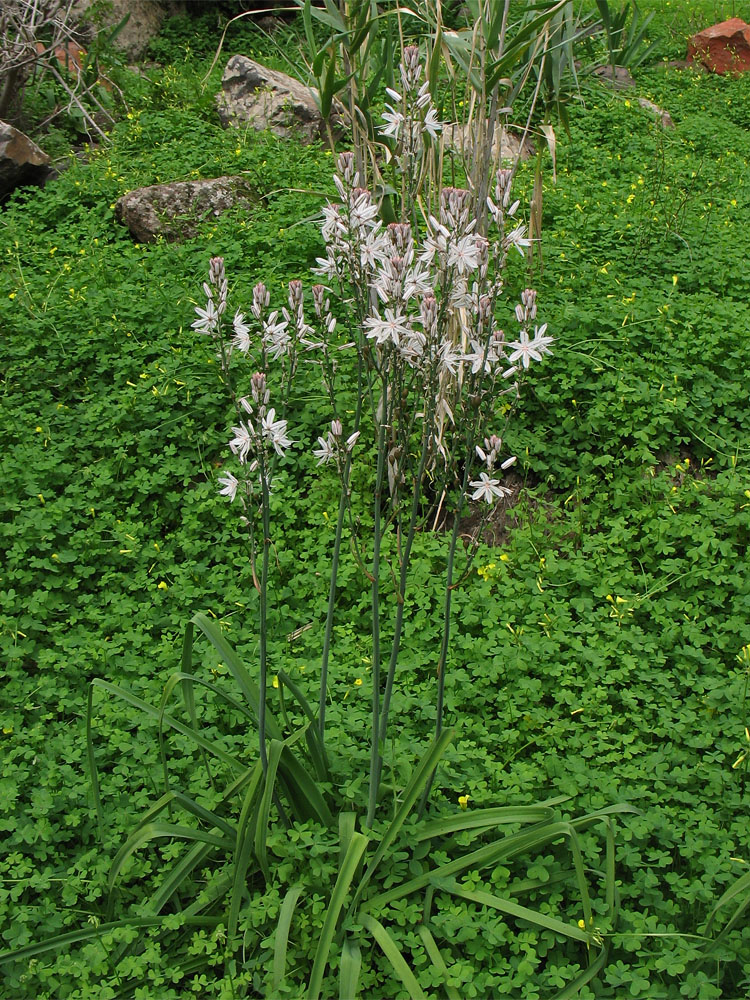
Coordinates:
[596,650]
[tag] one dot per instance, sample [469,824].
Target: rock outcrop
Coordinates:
[175,211]
[252,94]
[723,48]
[22,162]
[143,24]
[664,117]
[507,146]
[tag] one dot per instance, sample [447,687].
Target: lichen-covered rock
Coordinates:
[252,94]
[619,77]
[175,210]
[664,117]
[722,48]
[507,146]
[21,160]
[145,19]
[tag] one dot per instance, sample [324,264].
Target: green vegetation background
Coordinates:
[597,648]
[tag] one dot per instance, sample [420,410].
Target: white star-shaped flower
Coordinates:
[392,328]
[275,432]
[527,350]
[487,489]
[394,120]
[229,485]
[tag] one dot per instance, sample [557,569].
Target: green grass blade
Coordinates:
[189,805]
[580,871]
[351,965]
[394,956]
[34,950]
[237,669]
[438,961]
[738,888]
[177,876]
[304,794]
[93,772]
[156,830]
[188,695]
[573,989]
[246,830]
[153,713]
[166,694]
[317,751]
[421,775]
[282,935]
[491,854]
[514,910]
[480,818]
[261,830]
[581,822]
[741,887]
[347,821]
[357,846]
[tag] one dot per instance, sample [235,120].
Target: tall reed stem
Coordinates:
[377,537]
[263,619]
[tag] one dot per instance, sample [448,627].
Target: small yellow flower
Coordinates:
[358,682]
[275,681]
[463,801]
[162,585]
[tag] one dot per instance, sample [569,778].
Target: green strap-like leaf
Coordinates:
[394,956]
[93,772]
[357,845]
[88,933]
[421,775]
[237,669]
[481,818]
[177,876]
[317,751]
[514,910]
[491,854]
[246,829]
[261,829]
[156,830]
[153,713]
[189,805]
[351,965]
[282,935]
[438,961]
[307,799]
[347,825]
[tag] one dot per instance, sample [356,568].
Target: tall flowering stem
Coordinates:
[415,333]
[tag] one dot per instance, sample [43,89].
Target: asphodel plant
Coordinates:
[412,319]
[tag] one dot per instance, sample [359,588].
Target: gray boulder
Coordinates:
[619,77]
[507,146]
[144,23]
[21,160]
[175,211]
[664,118]
[252,94]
